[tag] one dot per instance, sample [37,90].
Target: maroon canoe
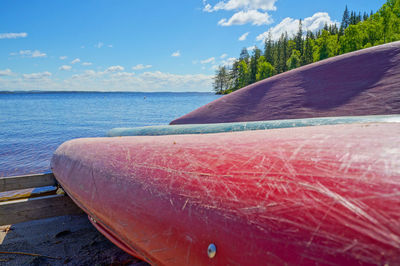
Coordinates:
[364,82]
[298,196]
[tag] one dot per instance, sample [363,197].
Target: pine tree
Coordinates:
[281,55]
[253,65]
[221,80]
[299,38]
[365,16]
[282,52]
[243,74]
[307,57]
[345,21]
[359,18]
[244,55]
[234,76]
[268,50]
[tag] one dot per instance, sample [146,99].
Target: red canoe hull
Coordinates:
[298,196]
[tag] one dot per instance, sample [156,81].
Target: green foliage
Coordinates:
[356,32]
[294,60]
[264,69]
[307,56]
[253,65]
[221,80]
[243,74]
[326,46]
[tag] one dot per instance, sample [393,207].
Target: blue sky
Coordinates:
[128,45]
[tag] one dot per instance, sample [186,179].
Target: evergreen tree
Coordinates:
[234,76]
[356,32]
[243,74]
[244,55]
[365,16]
[279,55]
[253,65]
[307,57]
[352,18]
[299,38]
[345,21]
[221,80]
[268,50]
[282,52]
[359,18]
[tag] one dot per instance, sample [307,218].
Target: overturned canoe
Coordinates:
[325,194]
[364,82]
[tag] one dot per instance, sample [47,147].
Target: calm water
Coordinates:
[33,125]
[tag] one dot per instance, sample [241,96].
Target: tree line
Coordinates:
[357,31]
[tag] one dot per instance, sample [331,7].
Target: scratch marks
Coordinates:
[184,205]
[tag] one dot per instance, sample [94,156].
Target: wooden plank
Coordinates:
[23,210]
[28,193]
[27,181]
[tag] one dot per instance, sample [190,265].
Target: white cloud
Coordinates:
[115,69]
[87,74]
[39,75]
[251,48]
[99,45]
[90,80]
[241,4]
[86,64]
[176,54]
[63,57]
[110,46]
[29,53]
[243,37]
[249,16]
[141,66]
[76,60]
[318,21]
[65,67]
[223,56]
[291,26]
[228,62]
[6,72]
[122,74]
[12,35]
[25,52]
[37,53]
[207,61]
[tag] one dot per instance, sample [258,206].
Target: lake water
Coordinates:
[33,125]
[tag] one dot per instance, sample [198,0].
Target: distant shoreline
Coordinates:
[130,92]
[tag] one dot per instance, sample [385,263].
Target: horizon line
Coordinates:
[67,91]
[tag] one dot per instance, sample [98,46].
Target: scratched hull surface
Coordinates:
[311,195]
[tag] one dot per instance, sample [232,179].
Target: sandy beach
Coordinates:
[64,240]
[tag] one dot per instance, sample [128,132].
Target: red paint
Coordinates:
[312,195]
